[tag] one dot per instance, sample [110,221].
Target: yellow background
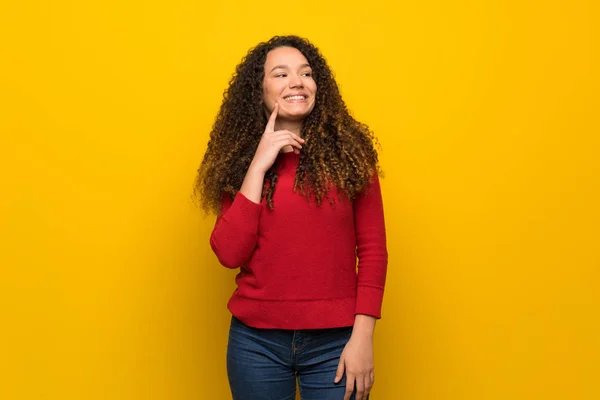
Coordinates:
[488,114]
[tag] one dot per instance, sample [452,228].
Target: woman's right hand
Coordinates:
[272,142]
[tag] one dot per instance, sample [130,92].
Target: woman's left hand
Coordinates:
[357,361]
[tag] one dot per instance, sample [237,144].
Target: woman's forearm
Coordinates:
[234,236]
[253,184]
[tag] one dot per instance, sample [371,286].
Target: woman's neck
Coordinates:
[292,126]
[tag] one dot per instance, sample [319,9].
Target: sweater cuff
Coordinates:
[368,301]
[244,209]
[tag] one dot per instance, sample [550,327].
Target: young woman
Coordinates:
[294,182]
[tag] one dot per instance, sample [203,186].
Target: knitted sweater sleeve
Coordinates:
[371,249]
[235,233]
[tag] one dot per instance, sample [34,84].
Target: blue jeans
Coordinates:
[262,364]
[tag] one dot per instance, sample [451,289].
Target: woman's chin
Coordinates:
[293,115]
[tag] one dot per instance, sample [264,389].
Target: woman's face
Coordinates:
[289,82]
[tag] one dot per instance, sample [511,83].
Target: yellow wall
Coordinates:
[488,114]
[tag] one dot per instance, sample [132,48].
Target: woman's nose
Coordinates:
[295,81]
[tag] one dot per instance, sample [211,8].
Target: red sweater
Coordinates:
[298,262]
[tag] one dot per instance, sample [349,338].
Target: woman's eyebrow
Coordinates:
[285,67]
[279,66]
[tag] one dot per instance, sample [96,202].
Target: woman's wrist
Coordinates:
[254,170]
[364,325]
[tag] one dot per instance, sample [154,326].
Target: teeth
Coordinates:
[295,98]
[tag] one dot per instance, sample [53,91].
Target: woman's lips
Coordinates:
[296,99]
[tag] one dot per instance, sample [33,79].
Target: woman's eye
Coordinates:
[307,74]
[279,75]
